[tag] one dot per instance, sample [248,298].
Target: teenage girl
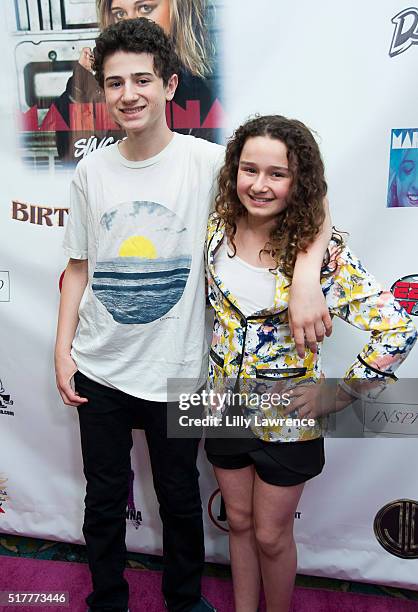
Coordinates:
[269,209]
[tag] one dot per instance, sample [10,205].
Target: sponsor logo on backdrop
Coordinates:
[94,117]
[395,528]
[38,215]
[132,514]
[61,280]
[3,494]
[405,291]
[400,420]
[4,286]
[406,31]
[403,168]
[217,512]
[62,120]
[5,402]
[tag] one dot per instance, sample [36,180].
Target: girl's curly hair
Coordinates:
[297,226]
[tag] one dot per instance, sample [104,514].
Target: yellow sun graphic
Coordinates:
[138,246]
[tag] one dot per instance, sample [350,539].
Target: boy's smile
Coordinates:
[135,95]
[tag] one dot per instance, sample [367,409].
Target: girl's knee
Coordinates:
[240,520]
[273,542]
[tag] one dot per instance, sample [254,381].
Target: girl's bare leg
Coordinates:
[237,490]
[274,513]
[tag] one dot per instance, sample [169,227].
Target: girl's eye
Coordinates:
[146,9]
[115,84]
[250,170]
[119,15]
[142,81]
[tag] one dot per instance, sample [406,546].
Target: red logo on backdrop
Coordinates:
[61,280]
[405,291]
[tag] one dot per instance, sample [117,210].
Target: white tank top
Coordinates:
[253,287]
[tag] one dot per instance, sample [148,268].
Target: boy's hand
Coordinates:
[65,368]
[309,317]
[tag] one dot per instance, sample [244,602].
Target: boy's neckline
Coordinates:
[145,162]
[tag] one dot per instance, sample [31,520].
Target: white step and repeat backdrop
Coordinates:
[348,70]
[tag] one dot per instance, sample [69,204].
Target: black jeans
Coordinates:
[106,440]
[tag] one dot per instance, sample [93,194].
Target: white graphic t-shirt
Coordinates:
[142,226]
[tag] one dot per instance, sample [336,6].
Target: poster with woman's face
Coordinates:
[62,110]
[403,171]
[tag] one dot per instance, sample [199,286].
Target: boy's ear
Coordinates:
[170,90]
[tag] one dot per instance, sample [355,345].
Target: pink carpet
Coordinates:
[32,575]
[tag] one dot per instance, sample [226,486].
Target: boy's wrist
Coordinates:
[61,353]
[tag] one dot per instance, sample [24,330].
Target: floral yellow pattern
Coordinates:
[261,347]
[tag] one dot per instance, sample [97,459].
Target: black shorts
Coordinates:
[282,464]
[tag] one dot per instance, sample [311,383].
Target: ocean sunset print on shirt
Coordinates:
[143,262]
[138,246]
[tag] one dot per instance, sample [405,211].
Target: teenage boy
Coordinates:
[132,311]
[135,241]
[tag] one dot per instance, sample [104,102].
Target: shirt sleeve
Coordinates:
[356,297]
[75,240]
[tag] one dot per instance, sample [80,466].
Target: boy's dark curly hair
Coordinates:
[137,36]
[297,226]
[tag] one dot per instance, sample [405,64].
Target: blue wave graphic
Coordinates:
[135,264]
[161,287]
[138,275]
[136,290]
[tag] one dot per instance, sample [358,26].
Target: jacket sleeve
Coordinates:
[355,296]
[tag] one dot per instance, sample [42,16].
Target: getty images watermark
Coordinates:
[215,413]
[377,409]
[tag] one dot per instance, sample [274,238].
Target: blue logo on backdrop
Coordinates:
[403,168]
[406,31]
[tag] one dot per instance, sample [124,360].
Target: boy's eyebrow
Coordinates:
[134,74]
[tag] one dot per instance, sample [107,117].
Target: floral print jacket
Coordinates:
[260,346]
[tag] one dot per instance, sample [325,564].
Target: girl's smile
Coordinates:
[264,179]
